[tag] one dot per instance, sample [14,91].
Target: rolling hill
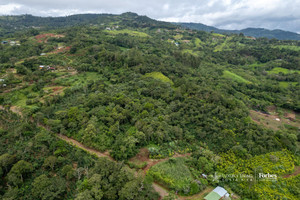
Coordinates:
[253,32]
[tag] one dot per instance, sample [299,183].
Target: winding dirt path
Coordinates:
[160,190]
[88,149]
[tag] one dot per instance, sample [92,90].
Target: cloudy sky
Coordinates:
[227,14]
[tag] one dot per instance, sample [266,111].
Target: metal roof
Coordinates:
[220,191]
[216,194]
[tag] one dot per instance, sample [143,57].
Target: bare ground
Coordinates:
[271,120]
[160,190]
[295,173]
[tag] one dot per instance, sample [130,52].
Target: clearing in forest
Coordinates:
[129,32]
[234,77]
[159,76]
[278,70]
[44,37]
[276,121]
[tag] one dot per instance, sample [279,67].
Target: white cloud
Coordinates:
[7,9]
[233,14]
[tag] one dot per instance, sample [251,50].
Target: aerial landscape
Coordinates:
[126,106]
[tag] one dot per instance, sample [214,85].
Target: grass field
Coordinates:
[189,51]
[218,35]
[172,173]
[159,76]
[256,65]
[222,46]
[294,48]
[129,32]
[285,84]
[234,77]
[198,43]
[178,37]
[277,70]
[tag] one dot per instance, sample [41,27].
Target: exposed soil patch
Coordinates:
[160,190]
[295,173]
[16,109]
[290,116]
[60,50]
[273,120]
[152,162]
[44,37]
[143,156]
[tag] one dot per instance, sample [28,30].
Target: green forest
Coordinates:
[126,107]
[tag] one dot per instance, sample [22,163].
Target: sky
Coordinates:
[226,14]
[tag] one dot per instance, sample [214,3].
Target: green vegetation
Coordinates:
[278,70]
[198,42]
[191,52]
[218,35]
[53,169]
[235,77]
[223,46]
[159,76]
[192,106]
[290,47]
[173,174]
[129,32]
[287,84]
[178,36]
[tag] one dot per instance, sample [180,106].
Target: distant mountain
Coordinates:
[14,23]
[254,32]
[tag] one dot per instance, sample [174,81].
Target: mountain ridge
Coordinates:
[13,23]
[253,32]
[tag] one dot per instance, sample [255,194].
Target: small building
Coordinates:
[41,66]
[4,42]
[217,194]
[43,54]
[2,80]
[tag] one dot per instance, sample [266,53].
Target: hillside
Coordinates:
[253,32]
[127,107]
[12,24]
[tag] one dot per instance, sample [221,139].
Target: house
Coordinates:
[41,66]
[217,194]
[43,54]
[2,80]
